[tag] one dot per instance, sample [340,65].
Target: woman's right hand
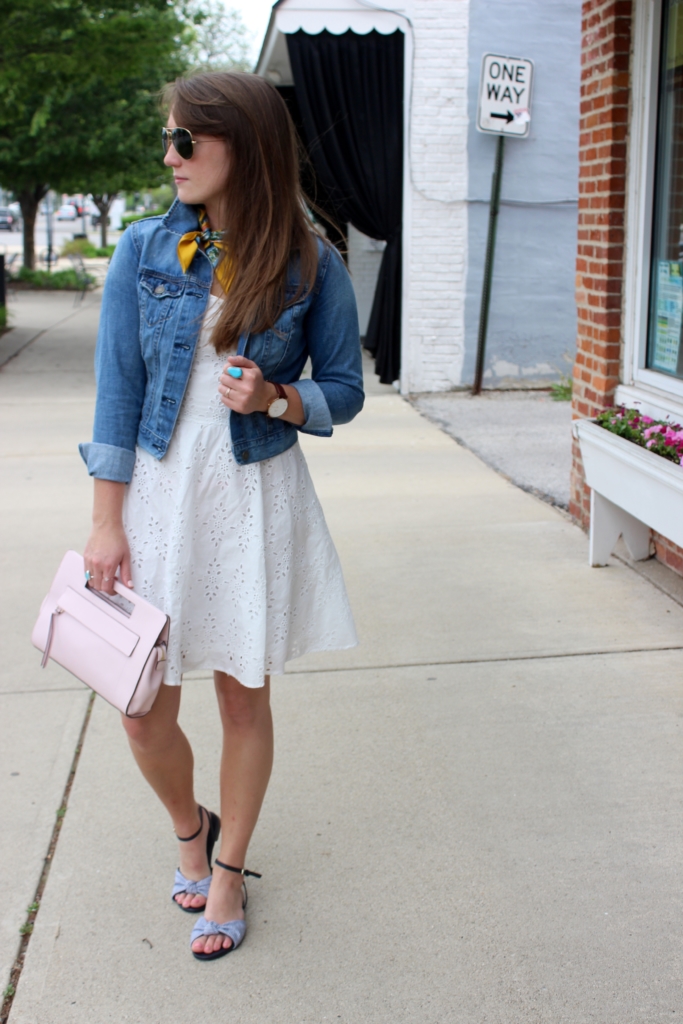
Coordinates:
[107,548]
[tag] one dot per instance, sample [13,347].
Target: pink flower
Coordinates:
[647,419]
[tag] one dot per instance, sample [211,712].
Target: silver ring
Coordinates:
[106,579]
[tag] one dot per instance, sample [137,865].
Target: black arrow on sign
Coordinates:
[505,117]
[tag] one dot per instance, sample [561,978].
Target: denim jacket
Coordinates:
[149,325]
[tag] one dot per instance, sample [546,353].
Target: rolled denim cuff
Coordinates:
[317,411]
[108,461]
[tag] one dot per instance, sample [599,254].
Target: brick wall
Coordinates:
[605,55]
[434,348]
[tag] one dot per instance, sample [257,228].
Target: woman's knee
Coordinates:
[241,707]
[148,736]
[155,729]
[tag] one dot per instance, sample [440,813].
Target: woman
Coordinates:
[202,496]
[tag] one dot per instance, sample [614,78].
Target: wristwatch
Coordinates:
[278,406]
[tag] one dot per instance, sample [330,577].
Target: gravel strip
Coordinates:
[525,435]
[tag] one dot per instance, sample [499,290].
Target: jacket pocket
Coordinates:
[159,297]
[281,337]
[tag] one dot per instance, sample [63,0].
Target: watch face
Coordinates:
[278,407]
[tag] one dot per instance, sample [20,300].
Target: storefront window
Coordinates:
[665,351]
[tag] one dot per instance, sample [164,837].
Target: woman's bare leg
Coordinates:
[164,757]
[245,770]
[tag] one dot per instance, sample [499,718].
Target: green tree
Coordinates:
[78,108]
[117,134]
[116,126]
[218,39]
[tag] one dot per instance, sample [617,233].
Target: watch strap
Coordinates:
[280,396]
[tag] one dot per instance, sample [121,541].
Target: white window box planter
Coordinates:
[632,491]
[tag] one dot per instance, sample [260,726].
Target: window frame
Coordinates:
[655,392]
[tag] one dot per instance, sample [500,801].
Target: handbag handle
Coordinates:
[50,632]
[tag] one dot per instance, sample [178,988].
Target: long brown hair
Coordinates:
[266,220]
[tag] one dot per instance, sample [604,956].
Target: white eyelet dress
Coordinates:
[240,557]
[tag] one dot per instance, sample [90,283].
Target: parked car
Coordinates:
[77,201]
[67,212]
[8,220]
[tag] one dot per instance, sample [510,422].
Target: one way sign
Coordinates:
[505,95]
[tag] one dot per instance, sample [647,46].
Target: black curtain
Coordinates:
[349,91]
[326,211]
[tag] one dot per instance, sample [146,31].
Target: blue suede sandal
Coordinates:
[186,885]
[234,930]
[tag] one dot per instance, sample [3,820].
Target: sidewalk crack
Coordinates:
[499,659]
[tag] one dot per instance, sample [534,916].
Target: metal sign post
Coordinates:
[504,109]
[48,214]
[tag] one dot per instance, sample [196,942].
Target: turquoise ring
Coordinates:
[235,371]
[88,577]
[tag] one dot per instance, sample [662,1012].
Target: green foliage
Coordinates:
[162,197]
[3,317]
[562,391]
[85,248]
[60,280]
[130,218]
[217,40]
[79,82]
[79,91]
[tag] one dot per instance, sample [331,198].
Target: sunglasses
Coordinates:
[182,141]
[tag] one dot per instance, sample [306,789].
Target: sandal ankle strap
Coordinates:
[188,839]
[238,871]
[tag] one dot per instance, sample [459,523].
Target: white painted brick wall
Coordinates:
[433,344]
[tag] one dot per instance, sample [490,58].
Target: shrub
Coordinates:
[82,247]
[60,280]
[79,247]
[129,218]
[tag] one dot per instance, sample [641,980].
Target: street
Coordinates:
[11,242]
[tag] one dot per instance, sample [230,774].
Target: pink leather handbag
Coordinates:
[115,643]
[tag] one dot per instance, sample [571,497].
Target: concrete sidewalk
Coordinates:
[46,396]
[474,816]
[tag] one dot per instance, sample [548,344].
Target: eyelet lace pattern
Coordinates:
[240,557]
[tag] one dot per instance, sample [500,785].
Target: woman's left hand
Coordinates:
[248,393]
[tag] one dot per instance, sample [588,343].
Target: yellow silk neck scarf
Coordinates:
[212,244]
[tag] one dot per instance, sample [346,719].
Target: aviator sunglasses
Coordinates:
[181,140]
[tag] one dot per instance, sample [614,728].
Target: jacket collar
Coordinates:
[181,218]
